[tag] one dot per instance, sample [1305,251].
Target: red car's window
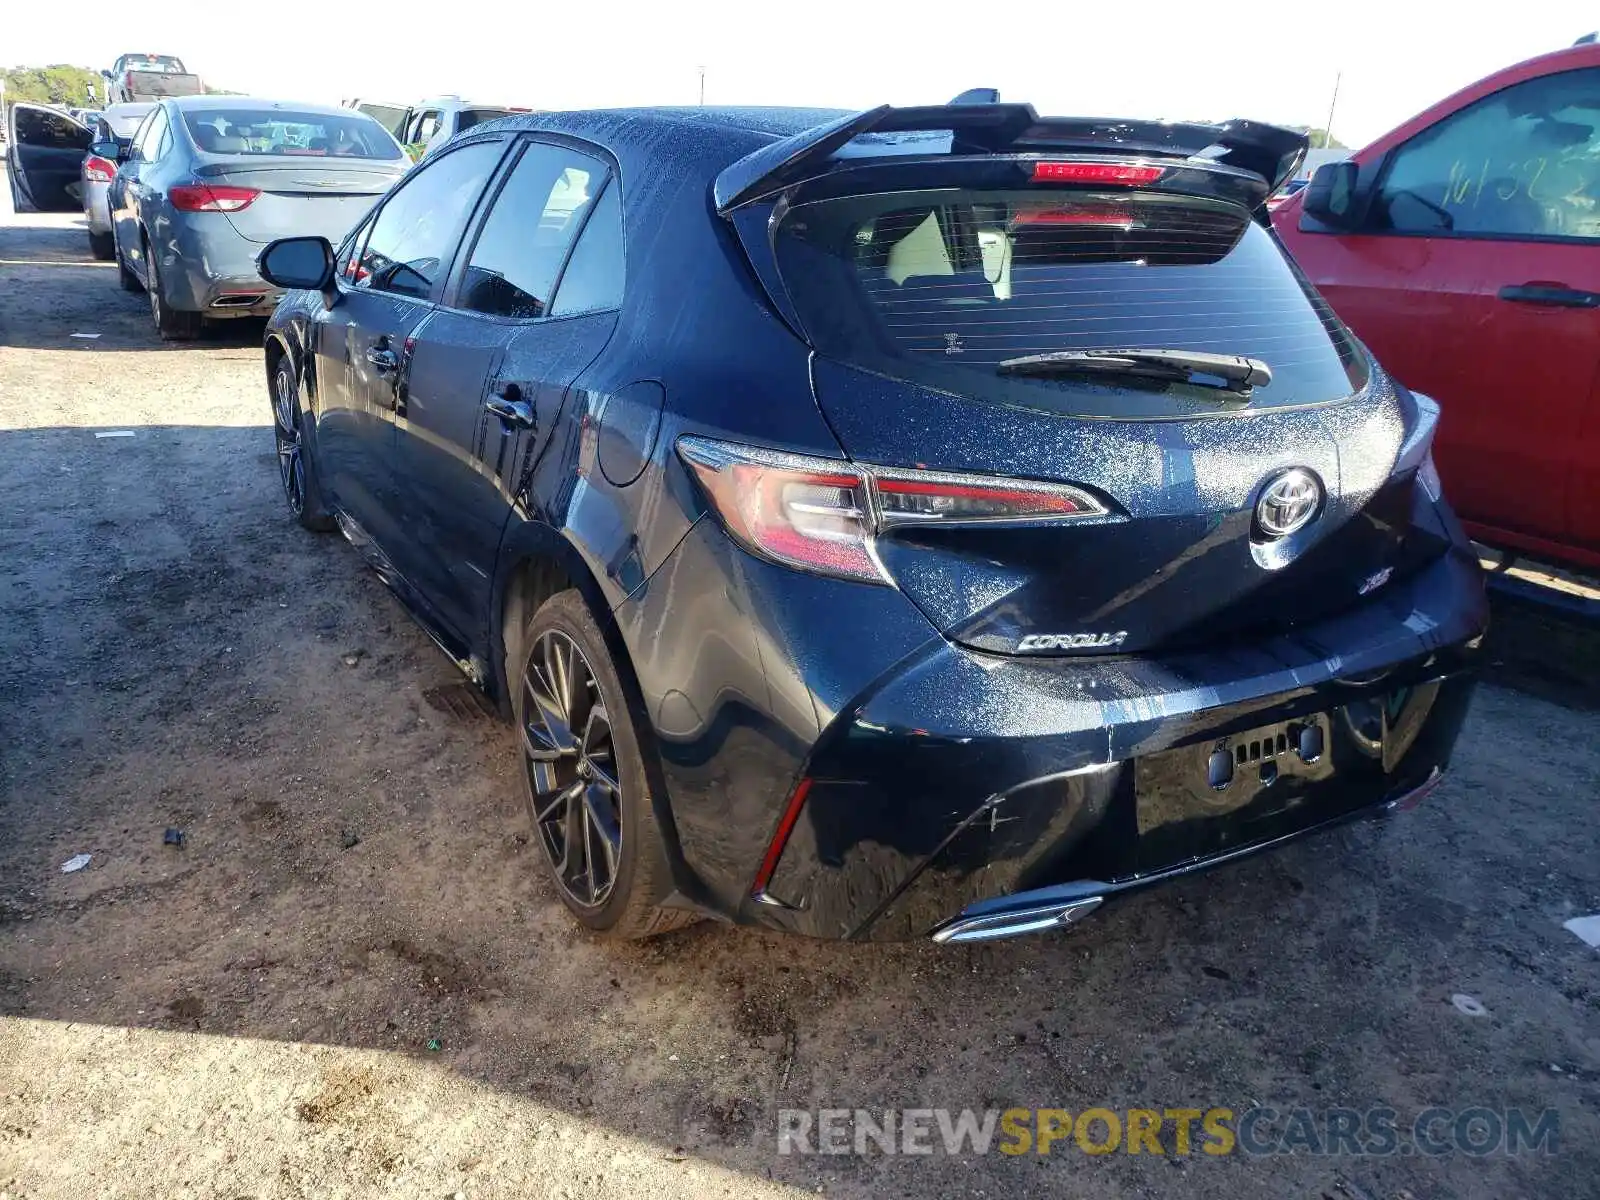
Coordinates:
[1522,162]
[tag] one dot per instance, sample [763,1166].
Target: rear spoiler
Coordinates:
[977,128]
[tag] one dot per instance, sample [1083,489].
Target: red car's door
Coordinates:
[1476,279]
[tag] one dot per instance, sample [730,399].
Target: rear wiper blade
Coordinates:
[1236,373]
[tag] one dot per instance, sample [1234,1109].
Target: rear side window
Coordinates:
[1524,162]
[524,241]
[416,230]
[943,287]
[592,281]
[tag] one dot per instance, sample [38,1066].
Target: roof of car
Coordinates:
[769,120]
[222,102]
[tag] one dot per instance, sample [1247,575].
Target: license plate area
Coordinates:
[1213,796]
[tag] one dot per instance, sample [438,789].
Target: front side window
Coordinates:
[350,269]
[41,127]
[418,225]
[285,133]
[518,254]
[1524,162]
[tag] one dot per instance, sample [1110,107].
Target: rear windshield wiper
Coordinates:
[1231,372]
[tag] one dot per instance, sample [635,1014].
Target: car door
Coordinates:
[389,285]
[136,192]
[46,158]
[1476,279]
[531,303]
[421,127]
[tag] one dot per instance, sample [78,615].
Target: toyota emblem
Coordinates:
[1290,501]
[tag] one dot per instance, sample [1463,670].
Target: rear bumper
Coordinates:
[918,829]
[96,211]
[962,785]
[208,268]
[1065,904]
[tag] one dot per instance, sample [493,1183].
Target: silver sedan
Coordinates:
[209,180]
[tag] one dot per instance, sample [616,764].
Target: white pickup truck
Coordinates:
[148,77]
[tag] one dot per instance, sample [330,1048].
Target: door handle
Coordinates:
[1551,294]
[384,360]
[510,407]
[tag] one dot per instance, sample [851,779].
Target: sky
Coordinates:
[1185,61]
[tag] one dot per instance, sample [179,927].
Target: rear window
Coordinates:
[163,64]
[468,117]
[283,132]
[942,287]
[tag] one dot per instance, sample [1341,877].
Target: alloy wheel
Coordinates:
[572,769]
[286,427]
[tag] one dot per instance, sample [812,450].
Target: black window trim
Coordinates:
[448,301]
[1387,164]
[453,253]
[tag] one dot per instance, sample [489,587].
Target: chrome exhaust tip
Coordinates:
[239,300]
[994,926]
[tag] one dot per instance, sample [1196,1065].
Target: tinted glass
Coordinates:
[942,287]
[513,266]
[1522,162]
[418,226]
[592,281]
[38,127]
[285,132]
[468,117]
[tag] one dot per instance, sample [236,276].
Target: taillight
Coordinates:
[99,170]
[210,197]
[822,514]
[1115,174]
[925,497]
[806,512]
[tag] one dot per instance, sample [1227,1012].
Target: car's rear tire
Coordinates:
[172,324]
[583,776]
[102,246]
[296,469]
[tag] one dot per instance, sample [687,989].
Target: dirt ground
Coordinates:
[351,979]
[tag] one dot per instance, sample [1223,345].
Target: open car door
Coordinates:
[392,117]
[45,162]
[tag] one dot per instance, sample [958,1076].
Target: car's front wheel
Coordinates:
[296,470]
[584,779]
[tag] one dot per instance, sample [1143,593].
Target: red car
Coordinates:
[1464,249]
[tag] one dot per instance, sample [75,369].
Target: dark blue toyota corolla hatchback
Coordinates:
[920,522]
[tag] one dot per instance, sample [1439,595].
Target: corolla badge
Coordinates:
[1072,641]
[1290,501]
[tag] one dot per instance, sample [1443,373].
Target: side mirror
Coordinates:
[112,150]
[297,263]
[1332,196]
